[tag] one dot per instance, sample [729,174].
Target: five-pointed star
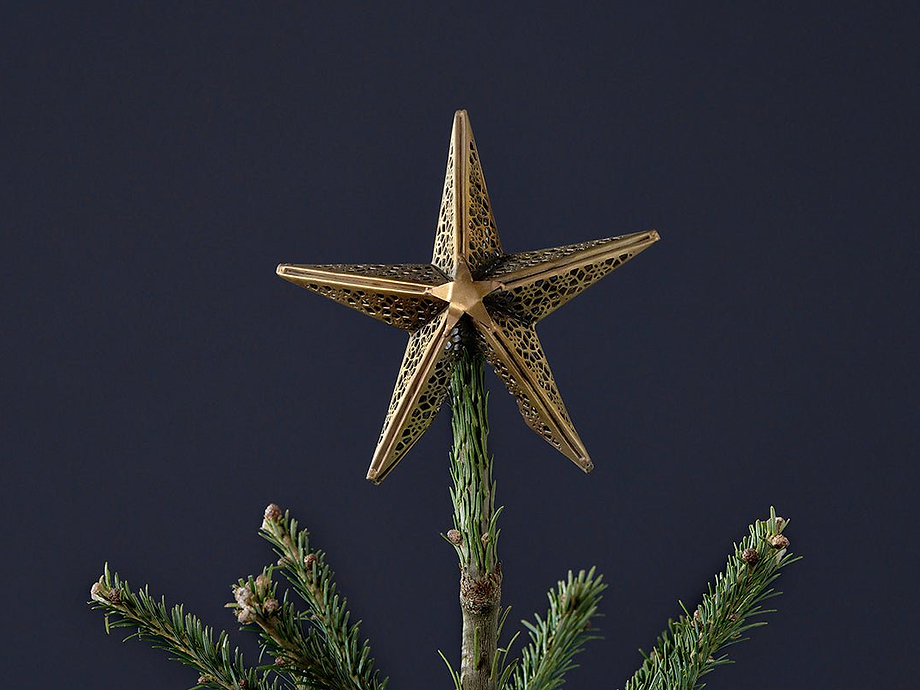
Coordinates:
[471,286]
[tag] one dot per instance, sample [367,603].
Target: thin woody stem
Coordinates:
[475,533]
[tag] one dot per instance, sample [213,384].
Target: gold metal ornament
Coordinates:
[471,295]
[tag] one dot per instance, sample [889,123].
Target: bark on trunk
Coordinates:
[480,601]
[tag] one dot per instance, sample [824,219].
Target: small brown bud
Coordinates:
[263,582]
[697,616]
[272,514]
[202,679]
[750,556]
[454,537]
[309,560]
[114,595]
[484,538]
[284,561]
[778,541]
[244,615]
[270,607]
[244,684]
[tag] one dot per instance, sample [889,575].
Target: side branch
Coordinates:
[297,653]
[333,644]
[177,632]
[557,638]
[690,647]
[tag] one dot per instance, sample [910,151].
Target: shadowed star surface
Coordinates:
[472,294]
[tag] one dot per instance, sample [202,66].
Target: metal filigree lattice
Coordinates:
[471,288]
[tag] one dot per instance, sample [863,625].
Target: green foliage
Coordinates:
[560,635]
[473,492]
[180,633]
[336,645]
[316,649]
[691,646]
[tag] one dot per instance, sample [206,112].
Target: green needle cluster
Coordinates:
[314,647]
[693,645]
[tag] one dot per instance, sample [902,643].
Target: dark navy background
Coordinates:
[162,385]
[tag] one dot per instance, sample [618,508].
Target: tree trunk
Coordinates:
[480,602]
[475,534]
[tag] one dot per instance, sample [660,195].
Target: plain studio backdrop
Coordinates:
[162,385]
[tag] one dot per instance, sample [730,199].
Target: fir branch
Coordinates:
[178,632]
[475,533]
[281,629]
[334,647]
[555,640]
[691,646]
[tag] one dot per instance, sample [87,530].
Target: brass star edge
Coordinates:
[471,295]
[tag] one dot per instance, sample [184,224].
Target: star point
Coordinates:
[471,285]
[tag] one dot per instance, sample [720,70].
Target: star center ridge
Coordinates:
[464,295]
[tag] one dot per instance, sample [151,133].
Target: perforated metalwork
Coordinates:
[471,286]
[514,351]
[394,294]
[539,258]
[421,386]
[482,244]
[466,225]
[539,282]
[444,250]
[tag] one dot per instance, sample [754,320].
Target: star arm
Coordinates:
[466,226]
[514,351]
[397,294]
[421,386]
[537,283]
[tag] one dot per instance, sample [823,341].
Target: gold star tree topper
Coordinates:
[472,294]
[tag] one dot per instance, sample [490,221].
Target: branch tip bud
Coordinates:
[244,615]
[243,595]
[778,541]
[272,514]
[750,556]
